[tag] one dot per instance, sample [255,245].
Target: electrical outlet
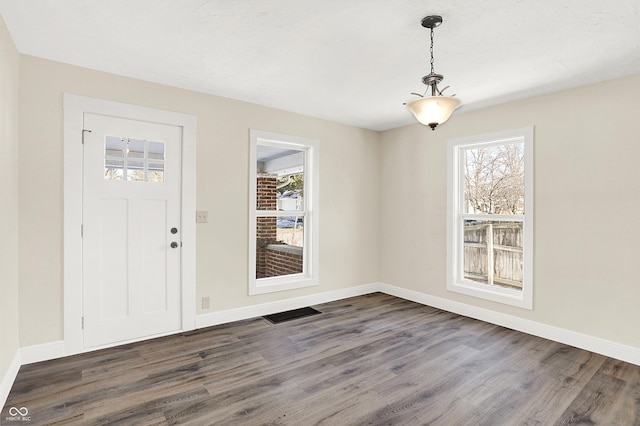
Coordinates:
[202,216]
[205,302]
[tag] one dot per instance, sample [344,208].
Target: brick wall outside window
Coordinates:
[272,260]
[283,261]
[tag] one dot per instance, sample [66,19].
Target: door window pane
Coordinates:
[133,160]
[155,162]
[135,169]
[115,149]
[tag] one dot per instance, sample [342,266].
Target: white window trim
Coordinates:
[455,282]
[310,276]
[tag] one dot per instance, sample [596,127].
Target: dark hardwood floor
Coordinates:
[368,360]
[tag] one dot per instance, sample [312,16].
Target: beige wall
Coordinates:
[383,198]
[9,291]
[587,181]
[349,190]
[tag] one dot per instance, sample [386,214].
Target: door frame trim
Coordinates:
[74,108]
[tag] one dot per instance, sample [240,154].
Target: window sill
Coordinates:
[283,283]
[505,296]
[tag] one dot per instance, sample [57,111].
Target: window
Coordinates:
[283,222]
[133,159]
[490,217]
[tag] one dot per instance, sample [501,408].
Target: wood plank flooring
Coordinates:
[368,360]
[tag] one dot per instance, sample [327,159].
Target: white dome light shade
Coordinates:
[433,110]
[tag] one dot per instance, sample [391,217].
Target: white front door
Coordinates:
[131,240]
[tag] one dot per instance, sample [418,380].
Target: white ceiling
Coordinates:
[349,61]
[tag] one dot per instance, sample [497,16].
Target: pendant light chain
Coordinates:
[431,51]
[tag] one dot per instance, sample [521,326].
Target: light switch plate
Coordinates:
[202,216]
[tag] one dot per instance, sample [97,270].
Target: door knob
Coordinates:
[174,244]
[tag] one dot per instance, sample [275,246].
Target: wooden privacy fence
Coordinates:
[493,253]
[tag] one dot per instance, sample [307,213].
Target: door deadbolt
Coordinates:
[174,230]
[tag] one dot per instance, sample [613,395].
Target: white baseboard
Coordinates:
[8,379]
[42,352]
[230,315]
[583,341]
[46,351]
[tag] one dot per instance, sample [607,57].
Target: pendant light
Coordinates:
[435,109]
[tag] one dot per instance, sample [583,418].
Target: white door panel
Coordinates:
[131,202]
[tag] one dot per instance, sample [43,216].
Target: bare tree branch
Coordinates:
[494,179]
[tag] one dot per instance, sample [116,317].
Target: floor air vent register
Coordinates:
[291,315]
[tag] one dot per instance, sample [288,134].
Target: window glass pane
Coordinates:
[494,179]
[114,158]
[155,176]
[135,170]
[113,170]
[155,165]
[493,252]
[290,230]
[135,149]
[290,192]
[280,178]
[279,246]
[133,160]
